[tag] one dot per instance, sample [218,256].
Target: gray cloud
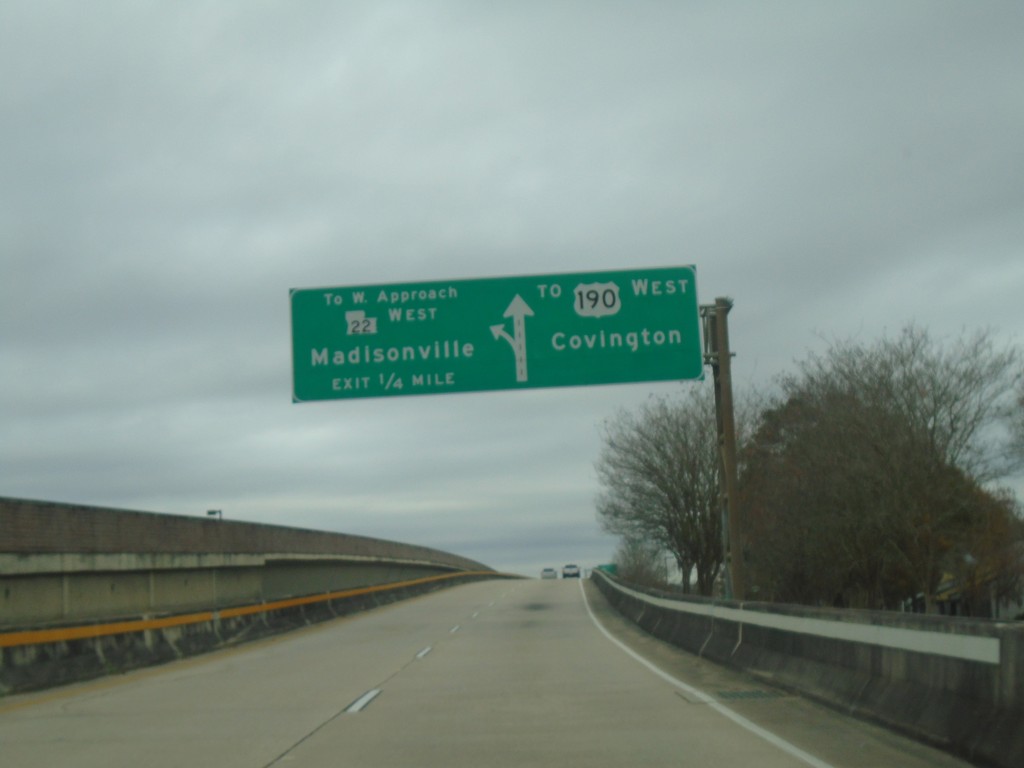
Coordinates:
[169,171]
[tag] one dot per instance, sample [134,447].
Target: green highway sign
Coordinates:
[496,333]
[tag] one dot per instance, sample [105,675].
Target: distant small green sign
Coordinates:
[497,333]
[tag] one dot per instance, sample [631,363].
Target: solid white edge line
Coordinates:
[361,703]
[723,710]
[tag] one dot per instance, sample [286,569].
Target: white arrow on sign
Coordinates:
[518,310]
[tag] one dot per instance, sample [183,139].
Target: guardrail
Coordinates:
[956,683]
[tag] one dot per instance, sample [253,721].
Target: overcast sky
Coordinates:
[169,170]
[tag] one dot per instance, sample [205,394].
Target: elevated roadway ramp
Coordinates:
[493,673]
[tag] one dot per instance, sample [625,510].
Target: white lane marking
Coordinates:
[424,652]
[363,701]
[723,710]
[475,615]
[454,629]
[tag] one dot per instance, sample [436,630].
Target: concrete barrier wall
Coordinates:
[33,528]
[62,562]
[286,579]
[87,590]
[39,658]
[43,599]
[956,683]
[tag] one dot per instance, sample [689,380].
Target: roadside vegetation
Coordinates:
[870,477]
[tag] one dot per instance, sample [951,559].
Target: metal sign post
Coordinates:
[719,357]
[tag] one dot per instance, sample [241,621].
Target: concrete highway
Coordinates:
[501,673]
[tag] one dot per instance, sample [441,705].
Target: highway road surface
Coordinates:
[500,673]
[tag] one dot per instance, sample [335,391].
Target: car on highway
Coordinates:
[549,573]
[571,571]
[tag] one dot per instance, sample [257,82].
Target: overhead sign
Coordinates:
[496,333]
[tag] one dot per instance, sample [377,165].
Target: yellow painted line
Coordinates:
[33,637]
[28,700]
[63,634]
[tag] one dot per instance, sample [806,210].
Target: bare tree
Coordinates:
[866,473]
[660,472]
[641,562]
[1015,422]
[952,395]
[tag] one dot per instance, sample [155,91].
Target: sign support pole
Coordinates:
[719,357]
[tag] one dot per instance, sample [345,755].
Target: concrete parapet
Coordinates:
[956,683]
[85,590]
[34,528]
[65,562]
